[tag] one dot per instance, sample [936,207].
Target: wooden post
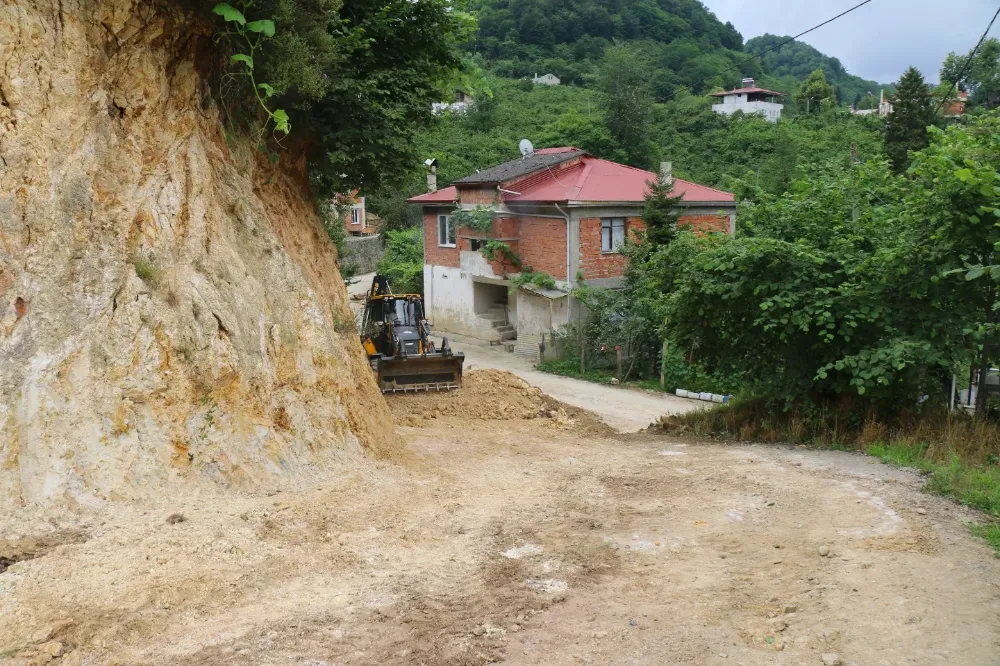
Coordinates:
[663,366]
[618,354]
[583,353]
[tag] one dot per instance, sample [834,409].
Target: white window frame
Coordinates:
[449,237]
[608,228]
[356,215]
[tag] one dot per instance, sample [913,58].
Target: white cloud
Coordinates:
[877,41]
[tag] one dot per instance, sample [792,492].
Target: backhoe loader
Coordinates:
[395,336]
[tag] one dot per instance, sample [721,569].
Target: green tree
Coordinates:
[952,212]
[627,102]
[913,112]
[981,78]
[403,260]
[358,78]
[815,93]
[860,289]
[660,212]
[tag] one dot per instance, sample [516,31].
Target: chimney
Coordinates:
[432,179]
[667,173]
[748,83]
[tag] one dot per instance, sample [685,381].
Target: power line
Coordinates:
[968,61]
[778,46]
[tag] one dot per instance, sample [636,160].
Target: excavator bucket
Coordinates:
[429,372]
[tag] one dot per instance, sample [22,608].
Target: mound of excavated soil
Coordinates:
[493,395]
[485,394]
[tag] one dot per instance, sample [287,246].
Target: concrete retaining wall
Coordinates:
[364,251]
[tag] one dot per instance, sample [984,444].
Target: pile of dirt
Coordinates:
[493,395]
[485,394]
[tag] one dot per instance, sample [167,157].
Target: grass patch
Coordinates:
[901,454]
[571,368]
[147,271]
[978,487]
[989,533]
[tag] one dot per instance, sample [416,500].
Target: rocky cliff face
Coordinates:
[171,312]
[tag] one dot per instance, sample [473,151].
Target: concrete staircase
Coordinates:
[497,316]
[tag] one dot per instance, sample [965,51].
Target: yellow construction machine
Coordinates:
[395,335]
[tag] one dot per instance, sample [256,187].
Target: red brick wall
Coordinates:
[594,263]
[705,224]
[434,255]
[543,245]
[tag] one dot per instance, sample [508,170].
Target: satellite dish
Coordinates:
[526,148]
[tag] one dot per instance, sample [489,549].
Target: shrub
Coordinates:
[403,260]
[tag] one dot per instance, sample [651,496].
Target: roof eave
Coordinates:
[691,204]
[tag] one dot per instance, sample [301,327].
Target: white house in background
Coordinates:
[883,110]
[546,80]
[463,101]
[750,99]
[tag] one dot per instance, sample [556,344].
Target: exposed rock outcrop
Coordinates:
[171,312]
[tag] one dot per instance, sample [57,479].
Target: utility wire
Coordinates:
[778,46]
[968,62]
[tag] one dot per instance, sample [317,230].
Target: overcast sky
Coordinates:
[877,41]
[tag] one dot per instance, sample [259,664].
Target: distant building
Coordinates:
[546,80]
[564,213]
[750,99]
[883,110]
[955,106]
[357,220]
[463,101]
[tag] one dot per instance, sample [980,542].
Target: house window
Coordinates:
[476,244]
[356,216]
[446,233]
[612,234]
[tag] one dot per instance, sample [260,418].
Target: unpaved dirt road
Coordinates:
[625,410]
[517,541]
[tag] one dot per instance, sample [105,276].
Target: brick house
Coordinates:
[357,220]
[563,212]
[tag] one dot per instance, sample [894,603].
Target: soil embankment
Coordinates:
[171,312]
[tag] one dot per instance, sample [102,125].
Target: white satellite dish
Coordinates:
[526,148]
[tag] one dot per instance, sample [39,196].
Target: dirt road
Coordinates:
[518,540]
[625,410]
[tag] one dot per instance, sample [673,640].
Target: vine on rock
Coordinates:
[254,34]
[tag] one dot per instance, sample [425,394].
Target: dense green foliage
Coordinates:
[403,261]
[981,78]
[685,43]
[815,94]
[854,283]
[358,78]
[627,103]
[913,112]
[738,153]
[786,67]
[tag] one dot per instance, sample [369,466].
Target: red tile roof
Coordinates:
[446,195]
[594,181]
[601,181]
[747,91]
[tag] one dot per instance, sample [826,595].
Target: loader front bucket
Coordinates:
[430,372]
